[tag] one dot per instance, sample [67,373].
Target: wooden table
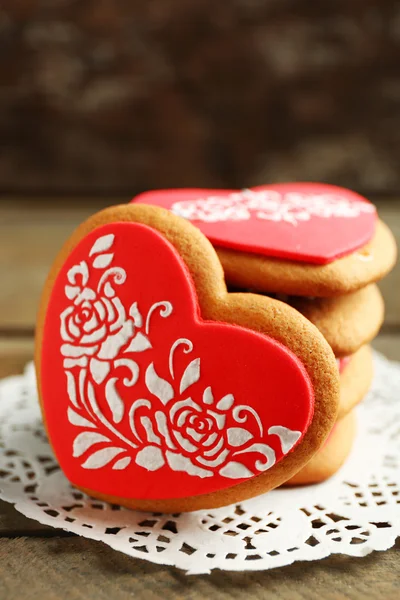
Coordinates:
[40,562]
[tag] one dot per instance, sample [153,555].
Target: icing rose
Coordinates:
[200,430]
[199,438]
[95,325]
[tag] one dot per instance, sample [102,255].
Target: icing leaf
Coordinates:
[158,386]
[237,436]
[102,244]
[235,470]
[82,270]
[226,402]
[135,314]
[287,437]
[102,261]
[71,388]
[150,458]
[101,458]
[76,419]
[99,369]
[122,463]
[191,375]
[114,401]
[112,345]
[109,290]
[178,462]
[208,397]
[139,343]
[85,440]
[72,291]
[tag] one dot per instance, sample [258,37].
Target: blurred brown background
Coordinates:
[114,96]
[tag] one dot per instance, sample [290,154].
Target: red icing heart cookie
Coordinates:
[155,391]
[305,222]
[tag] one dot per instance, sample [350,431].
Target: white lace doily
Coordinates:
[355,512]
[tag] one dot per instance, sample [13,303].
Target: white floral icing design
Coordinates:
[270,205]
[200,436]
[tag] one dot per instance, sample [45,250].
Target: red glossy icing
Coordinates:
[306,222]
[119,427]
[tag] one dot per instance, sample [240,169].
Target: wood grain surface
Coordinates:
[79,569]
[40,562]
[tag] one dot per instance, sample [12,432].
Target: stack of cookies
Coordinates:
[319,248]
[164,390]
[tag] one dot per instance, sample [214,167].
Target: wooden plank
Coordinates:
[36,209]
[389,211]
[31,233]
[83,569]
[389,345]
[13,524]
[14,354]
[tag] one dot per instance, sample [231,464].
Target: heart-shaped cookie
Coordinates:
[159,389]
[304,222]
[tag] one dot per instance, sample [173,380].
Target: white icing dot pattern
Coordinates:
[270,205]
